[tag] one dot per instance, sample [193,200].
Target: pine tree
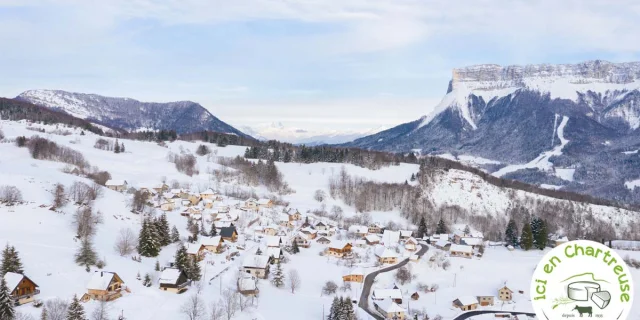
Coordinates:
[147,280]
[11,261]
[348,313]
[278,276]
[258,252]
[181,258]
[335,309]
[413,177]
[175,235]
[6,303]
[542,236]
[45,314]
[148,245]
[526,239]
[214,230]
[203,232]
[157,268]
[442,228]
[195,230]
[536,227]
[116,148]
[422,229]
[467,230]
[122,147]
[295,248]
[86,255]
[511,234]
[340,315]
[162,227]
[287,156]
[75,310]
[195,272]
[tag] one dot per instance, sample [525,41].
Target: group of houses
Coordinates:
[467,303]
[459,243]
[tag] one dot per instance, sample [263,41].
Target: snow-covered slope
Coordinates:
[280,132]
[130,114]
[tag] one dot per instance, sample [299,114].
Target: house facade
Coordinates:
[505,294]
[256,265]
[116,185]
[339,249]
[355,275]
[104,286]
[229,234]
[460,250]
[21,288]
[466,303]
[173,280]
[389,309]
[485,300]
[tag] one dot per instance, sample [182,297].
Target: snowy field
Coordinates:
[45,239]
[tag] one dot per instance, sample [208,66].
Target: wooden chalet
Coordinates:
[248,285]
[355,275]
[116,185]
[21,288]
[323,240]
[104,286]
[339,249]
[485,300]
[173,280]
[466,303]
[229,234]
[505,294]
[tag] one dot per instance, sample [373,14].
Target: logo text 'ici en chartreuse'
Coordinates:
[599,255]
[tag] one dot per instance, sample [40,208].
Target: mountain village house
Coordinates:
[285,221]
[323,240]
[486,300]
[386,255]
[372,239]
[116,185]
[195,251]
[167,206]
[389,309]
[405,234]
[194,198]
[248,285]
[390,238]
[104,286]
[256,265]
[208,195]
[264,203]
[359,231]
[355,275]
[339,249]
[460,250]
[229,234]
[393,293]
[375,228]
[443,244]
[273,241]
[473,242]
[310,233]
[321,226]
[173,280]
[301,240]
[270,230]
[294,214]
[212,244]
[411,244]
[466,303]
[251,204]
[505,294]
[21,288]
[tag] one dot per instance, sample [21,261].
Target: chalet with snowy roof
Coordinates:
[390,238]
[167,206]
[21,289]
[321,226]
[117,185]
[265,203]
[386,255]
[221,207]
[195,251]
[360,243]
[104,286]
[354,275]
[359,231]
[251,203]
[375,228]
[466,303]
[323,240]
[457,236]
[273,241]
[405,234]
[173,280]
[411,244]
[372,239]
[208,194]
[270,230]
[310,233]
[222,224]
[339,249]
[461,250]
[485,300]
[393,293]
[256,265]
[212,244]
[284,221]
[390,309]
[294,214]
[473,242]
[194,198]
[301,240]
[185,203]
[274,253]
[248,285]
[505,294]
[229,234]
[160,187]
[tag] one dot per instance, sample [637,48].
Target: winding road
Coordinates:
[479,312]
[368,282]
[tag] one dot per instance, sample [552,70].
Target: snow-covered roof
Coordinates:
[355,271]
[193,248]
[251,200]
[100,280]
[207,192]
[247,284]
[264,201]
[360,241]
[358,229]
[390,237]
[384,252]
[115,183]
[442,243]
[563,239]
[210,241]
[338,244]
[406,233]
[372,238]
[308,230]
[461,248]
[387,293]
[272,241]
[169,276]
[412,240]
[255,261]
[13,280]
[272,252]
[388,306]
[176,191]
[472,241]
[468,300]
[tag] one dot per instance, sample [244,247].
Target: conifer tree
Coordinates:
[86,255]
[162,227]
[536,224]
[6,303]
[543,234]
[175,235]
[195,272]
[526,239]
[147,280]
[195,230]
[335,309]
[413,177]
[214,230]
[181,258]
[348,313]
[422,228]
[45,314]
[10,261]
[122,147]
[157,268]
[511,234]
[442,228]
[75,311]
[258,252]
[278,276]
[467,230]
[148,245]
[203,232]
[116,148]
[295,248]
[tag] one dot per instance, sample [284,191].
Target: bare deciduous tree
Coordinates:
[126,242]
[319,195]
[56,309]
[10,195]
[330,287]
[403,275]
[80,192]
[217,312]
[194,308]
[101,312]
[294,280]
[85,221]
[59,197]
[229,303]
[138,200]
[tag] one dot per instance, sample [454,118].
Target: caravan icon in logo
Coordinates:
[582,278]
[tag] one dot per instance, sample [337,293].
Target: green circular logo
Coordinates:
[582,279]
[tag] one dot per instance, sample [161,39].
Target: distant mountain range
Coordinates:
[570,126]
[280,132]
[130,114]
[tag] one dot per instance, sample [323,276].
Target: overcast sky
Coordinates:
[343,64]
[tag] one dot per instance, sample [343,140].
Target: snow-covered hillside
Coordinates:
[45,238]
[280,132]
